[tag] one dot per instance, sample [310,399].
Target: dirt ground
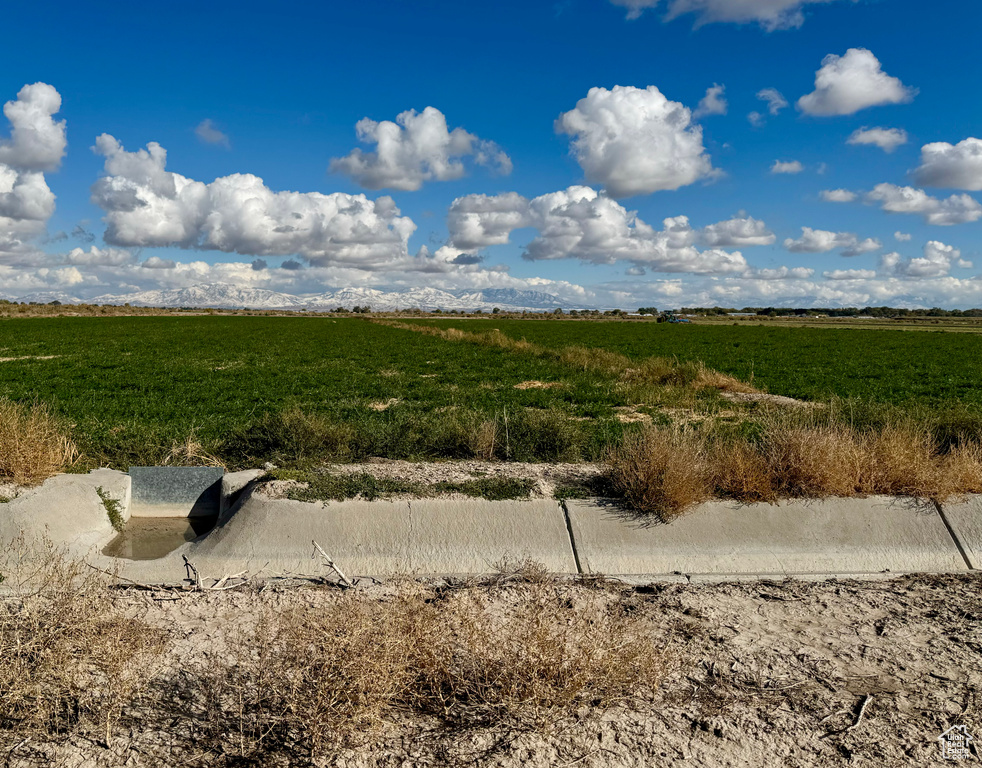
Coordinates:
[546,477]
[761,674]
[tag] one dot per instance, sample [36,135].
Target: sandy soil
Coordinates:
[763,397]
[764,674]
[546,477]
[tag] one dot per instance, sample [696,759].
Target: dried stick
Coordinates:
[862,711]
[192,570]
[332,565]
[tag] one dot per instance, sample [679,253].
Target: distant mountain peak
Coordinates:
[226,296]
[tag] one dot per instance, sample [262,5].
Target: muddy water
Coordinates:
[147,538]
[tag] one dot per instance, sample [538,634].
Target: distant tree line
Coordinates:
[833,311]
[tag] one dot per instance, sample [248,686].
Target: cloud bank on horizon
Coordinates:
[627,183]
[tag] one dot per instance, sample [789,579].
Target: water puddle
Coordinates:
[147,538]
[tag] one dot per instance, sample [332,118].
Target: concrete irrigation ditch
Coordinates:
[256,535]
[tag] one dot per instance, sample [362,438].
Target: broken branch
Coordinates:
[327,559]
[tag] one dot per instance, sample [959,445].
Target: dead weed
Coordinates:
[69,658]
[34,443]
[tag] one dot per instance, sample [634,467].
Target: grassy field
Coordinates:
[903,413]
[812,363]
[132,387]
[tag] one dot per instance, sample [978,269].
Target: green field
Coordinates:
[133,387]
[900,367]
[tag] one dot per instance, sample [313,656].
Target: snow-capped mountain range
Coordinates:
[225,296]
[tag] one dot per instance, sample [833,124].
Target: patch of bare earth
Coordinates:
[629,414]
[763,397]
[692,416]
[384,405]
[763,674]
[535,384]
[546,477]
[28,357]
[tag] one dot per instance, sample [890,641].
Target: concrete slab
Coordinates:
[830,536]
[68,510]
[473,536]
[381,538]
[176,491]
[233,483]
[965,520]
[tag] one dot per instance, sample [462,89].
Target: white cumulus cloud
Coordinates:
[837,195]
[147,205]
[887,139]
[99,257]
[937,261]
[713,103]
[736,233]
[902,237]
[26,203]
[849,274]
[958,166]
[37,142]
[957,209]
[849,83]
[579,223]
[635,141]
[822,241]
[779,273]
[790,166]
[416,148]
[477,221]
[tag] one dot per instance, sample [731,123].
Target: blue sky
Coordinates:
[512,172]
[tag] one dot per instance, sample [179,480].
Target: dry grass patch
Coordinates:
[907,460]
[535,384]
[741,472]
[961,471]
[189,452]
[535,660]
[34,443]
[317,678]
[69,658]
[662,471]
[28,357]
[695,375]
[629,414]
[815,461]
[384,405]
[519,656]
[485,437]
[305,676]
[666,471]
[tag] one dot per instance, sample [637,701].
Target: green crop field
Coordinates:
[891,366]
[135,385]
[250,388]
